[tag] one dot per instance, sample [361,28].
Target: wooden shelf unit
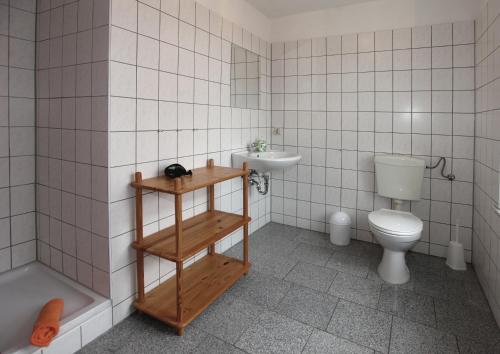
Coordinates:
[202,177]
[204,281]
[199,232]
[180,299]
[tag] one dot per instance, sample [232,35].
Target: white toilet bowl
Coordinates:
[396,231]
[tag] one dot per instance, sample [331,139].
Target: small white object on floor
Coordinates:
[456,257]
[340,228]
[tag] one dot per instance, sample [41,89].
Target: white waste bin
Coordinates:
[340,228]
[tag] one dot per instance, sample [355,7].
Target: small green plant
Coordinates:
[260,145]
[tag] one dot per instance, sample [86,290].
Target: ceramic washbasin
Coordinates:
[265,161]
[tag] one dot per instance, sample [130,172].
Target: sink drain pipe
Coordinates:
[260,181]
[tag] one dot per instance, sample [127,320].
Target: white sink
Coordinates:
[265,161]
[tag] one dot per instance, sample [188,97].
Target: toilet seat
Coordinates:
[395,222]
[401,237]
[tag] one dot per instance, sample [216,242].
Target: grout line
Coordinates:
[476,89]
[341,190]
[35,124]
[452,158]
[9,130]
[136,101]
[356,233]
[390,334]
[158,135]
[431,153]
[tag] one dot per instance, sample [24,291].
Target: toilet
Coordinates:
[399,178]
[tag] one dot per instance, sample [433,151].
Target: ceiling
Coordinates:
[279,8]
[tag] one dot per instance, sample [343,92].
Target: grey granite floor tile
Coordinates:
[426,264]
[237,252]
[308,306]
[408,305]
[273,229]
[279,229]
[467,292]
[272,245]
[260,289]
[274,333]
[311,254]
[466,322]
[213,345]
[349,264]
[159,338]
[361,325]
[275,265]
[229,318]
[363,249]
[312,276]
[360,290]
[414,338]
[315,238]
[471,347]
[430,284]
[467,276]
[242,314]
[325,343]
[272,239]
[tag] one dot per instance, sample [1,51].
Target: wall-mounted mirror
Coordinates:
[244,78]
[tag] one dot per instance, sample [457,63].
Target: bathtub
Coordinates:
[23,292]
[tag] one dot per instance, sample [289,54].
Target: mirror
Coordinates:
[244,78]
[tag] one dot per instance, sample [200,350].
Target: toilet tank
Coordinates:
[399,177]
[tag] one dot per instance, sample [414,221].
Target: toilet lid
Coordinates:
[395,221]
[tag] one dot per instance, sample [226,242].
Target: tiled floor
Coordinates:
[305,295]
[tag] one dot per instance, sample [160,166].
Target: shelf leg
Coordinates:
[211,207]
[211,203]
[180,331]
[139,236]
[178,225]
[245,214]
[140,275]
[178,264]
[245,245]
[178,267]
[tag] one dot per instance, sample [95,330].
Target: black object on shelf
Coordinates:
[176,170]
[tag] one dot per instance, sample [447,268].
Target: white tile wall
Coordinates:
[485,256]
[17,121]
[170,102]
[337,101]
[73,340]
[340,100]
[72,144]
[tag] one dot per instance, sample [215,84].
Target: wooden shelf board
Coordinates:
[203,282]
[202,177]
[198,233]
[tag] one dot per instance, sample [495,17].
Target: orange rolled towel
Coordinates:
[47,324]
